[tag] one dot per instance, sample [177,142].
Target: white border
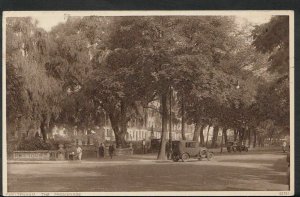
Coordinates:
[147,13]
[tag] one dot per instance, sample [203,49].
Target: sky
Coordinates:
[47,20]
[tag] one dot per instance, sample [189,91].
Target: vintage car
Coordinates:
[235,146]
[183,150]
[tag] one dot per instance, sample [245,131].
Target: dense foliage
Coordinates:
[222,76]
[35,143]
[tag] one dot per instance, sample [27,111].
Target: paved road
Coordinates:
[228,172]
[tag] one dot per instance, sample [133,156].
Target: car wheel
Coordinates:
[209,156]
[185,157]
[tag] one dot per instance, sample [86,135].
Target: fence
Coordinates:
[31,155]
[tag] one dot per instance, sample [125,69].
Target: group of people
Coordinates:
[111,150]
[78,155]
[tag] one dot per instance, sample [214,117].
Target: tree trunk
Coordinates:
[215,136]
[249,137]
[43,127]
[197,131]
[207,135]
[162,151]
[224,133]
[120,140]
[222,142]
[118,128]
[254,138]
[260,141]
[114,123]
[202,135]
[145,119]
[235,134]
[244,134]
[241,135]
[183,118]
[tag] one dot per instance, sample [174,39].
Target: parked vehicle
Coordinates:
[231,146]
[183,150]
[234,146]
[242,148]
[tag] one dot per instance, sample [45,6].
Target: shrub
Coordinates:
[32,144]
[138,147]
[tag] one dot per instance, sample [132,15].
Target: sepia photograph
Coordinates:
[148,103]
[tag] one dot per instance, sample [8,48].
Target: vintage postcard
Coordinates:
[148,103]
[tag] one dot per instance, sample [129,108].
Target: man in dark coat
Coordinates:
[168,150]
[101,150]
[111,150]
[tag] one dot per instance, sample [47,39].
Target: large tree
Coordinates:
[272,38]
[33,96]
[192,48]
[105,58]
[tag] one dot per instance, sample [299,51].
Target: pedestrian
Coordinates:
[284,146]
[168,150]
[144,146]
[111,150]
[79,152]
[101,150]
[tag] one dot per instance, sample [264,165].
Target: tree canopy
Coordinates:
[222,75]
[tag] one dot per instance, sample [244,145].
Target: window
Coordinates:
[191,145]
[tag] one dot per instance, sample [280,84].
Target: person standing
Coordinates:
[144,146]
[111,150]
[101,150]
[79,152]
[168,150]
[284,146]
